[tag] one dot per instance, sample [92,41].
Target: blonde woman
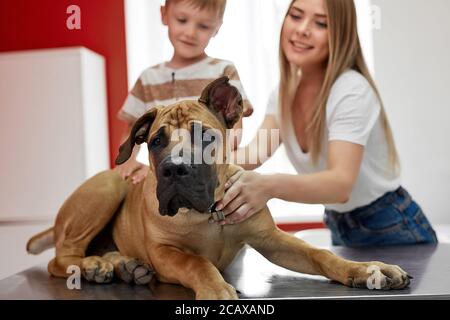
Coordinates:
[336,133]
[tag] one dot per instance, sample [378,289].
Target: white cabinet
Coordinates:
[53,128]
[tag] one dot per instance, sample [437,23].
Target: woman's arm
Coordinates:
[248,192]
[249,157]
[331,186]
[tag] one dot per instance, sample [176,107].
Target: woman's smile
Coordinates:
[300,47]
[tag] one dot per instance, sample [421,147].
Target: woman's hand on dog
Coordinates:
[247,192]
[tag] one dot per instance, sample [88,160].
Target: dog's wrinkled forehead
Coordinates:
[181,114]
[178,115]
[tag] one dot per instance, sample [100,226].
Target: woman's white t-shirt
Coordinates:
[352,115]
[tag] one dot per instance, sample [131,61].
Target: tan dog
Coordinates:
[109,226]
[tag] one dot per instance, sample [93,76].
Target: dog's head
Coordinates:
[187,145]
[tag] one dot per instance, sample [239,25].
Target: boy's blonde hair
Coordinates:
[216,6]
[345,53]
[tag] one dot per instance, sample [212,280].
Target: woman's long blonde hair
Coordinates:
[345,53]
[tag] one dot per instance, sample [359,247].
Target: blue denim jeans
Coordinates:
[393,219]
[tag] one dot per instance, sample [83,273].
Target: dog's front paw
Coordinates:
[97,269]
[223,291]
[134,270]
[377,275]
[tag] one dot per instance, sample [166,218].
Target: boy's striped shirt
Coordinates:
[162,85]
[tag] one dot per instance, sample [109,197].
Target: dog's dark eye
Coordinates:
[156,142]
[159,140]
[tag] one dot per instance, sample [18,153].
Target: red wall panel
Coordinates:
[38,24]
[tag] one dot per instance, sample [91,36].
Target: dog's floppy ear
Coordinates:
[138,135]
[224,100]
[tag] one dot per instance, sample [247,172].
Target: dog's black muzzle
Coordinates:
[184,185]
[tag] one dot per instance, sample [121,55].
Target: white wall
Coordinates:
[145,36]
[412,64]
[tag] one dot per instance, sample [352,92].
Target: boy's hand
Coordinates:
[134,170]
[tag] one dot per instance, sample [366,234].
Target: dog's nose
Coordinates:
[172,170]
[175,169]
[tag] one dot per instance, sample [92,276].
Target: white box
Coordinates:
[53,128]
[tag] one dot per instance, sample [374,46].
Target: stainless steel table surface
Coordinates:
[256,278]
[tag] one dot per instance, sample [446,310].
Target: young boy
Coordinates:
[191,25]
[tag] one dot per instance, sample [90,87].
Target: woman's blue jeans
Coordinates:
[393,219]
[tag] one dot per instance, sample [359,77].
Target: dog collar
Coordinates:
[216,215]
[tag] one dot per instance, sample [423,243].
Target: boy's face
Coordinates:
[190,28]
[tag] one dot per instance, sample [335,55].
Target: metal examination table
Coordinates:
[257,278]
